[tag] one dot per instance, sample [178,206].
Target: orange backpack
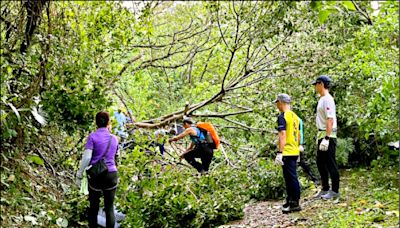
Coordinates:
[212,136]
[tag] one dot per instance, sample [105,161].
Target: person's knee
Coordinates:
[188,157]
[109,203]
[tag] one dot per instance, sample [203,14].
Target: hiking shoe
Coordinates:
[285,206]
[320,193]
[293,206]
[330,195]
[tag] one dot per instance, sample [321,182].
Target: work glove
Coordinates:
[323,146]
[84,185]
[301,148]
[278,159]
[78,180]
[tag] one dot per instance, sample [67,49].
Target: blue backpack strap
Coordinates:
[200,134]
[200,137]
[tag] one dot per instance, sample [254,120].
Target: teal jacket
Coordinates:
[301,132]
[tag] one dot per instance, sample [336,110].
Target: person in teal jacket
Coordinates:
[303,163]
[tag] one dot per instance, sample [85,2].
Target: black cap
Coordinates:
[323,78]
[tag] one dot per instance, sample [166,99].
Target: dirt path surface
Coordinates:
[267,214]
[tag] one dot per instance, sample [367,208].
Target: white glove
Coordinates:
[323,146]
[278,159]
[78,179]
[84,186]
[298,159]
[301,148]
[78,182]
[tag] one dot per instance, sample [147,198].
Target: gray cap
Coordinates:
[188,120]
[283,97]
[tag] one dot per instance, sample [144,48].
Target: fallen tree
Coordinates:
[253,58]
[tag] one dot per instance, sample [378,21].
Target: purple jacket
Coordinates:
[97,141]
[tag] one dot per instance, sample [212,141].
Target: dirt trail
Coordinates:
[266,214]
[269,214]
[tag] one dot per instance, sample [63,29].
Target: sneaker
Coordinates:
[287,204]
[320,193]
[330,195]
[293,206]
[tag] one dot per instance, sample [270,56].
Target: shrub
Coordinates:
[389,163]
[266,181]
[344,148]
[176,197]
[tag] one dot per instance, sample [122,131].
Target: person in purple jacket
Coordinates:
[105,184]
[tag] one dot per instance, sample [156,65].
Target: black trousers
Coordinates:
[306,168]
[105,185]
[290,176]
[202,151]
[327,167]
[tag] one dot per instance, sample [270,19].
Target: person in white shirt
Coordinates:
[326,138]
[120,126]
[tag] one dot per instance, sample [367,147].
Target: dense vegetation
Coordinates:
[61,62]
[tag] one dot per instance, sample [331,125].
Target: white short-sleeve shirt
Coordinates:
[326,109]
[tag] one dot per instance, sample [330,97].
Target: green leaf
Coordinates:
[315,5]
[330,3]
[11,133]
[3,115]
[323,15]
[379,218]
[36,159]
[349,5]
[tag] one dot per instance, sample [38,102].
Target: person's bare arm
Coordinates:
[329,107]
[282,140]
[190,148]
[329,126]
[188,131]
